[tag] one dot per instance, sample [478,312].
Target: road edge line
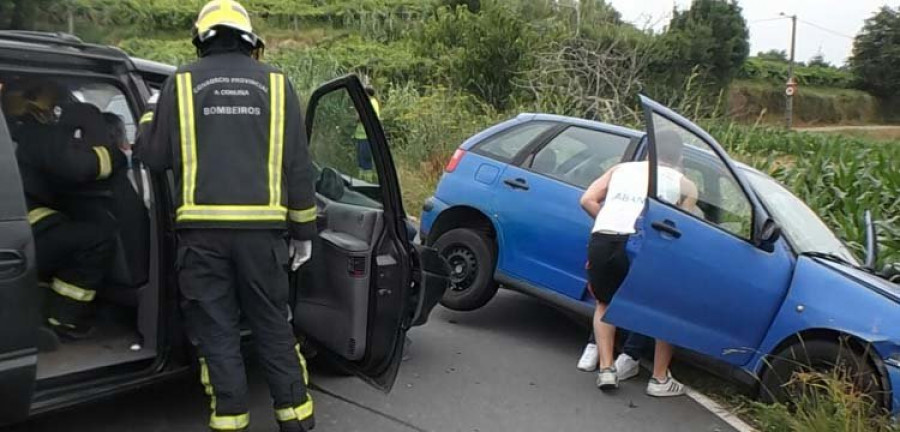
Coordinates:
[719,411]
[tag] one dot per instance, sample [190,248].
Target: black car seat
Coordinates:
[115,203]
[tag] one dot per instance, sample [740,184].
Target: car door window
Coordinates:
[579,156]
[343,160]
[505,145]
[687,162]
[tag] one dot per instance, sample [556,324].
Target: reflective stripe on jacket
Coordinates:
[232,131]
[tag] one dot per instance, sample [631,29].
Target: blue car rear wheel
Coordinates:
[471,257]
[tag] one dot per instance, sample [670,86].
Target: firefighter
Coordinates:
[363,149]
[231,129]
[72,254]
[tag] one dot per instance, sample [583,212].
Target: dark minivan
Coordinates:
[366,285]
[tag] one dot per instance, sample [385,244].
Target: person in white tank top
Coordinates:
[615,201]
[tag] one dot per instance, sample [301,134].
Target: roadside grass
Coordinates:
[827,403]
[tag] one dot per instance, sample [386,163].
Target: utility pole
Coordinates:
[791,87]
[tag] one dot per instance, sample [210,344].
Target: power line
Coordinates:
[825,29]
[767,19]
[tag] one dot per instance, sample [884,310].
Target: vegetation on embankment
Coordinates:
[764,101]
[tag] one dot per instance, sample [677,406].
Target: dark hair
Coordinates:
[115,128]
[225,40]
[669,147]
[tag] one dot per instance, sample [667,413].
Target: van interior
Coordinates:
[127,304]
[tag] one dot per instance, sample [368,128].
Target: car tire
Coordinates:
[472,258]
[777,383]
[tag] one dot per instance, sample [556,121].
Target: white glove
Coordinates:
[300,252]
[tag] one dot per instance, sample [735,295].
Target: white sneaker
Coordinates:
[588,361]
[627,367]
[668,388]
[607,379]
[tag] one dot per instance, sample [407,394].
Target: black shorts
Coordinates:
[607,264]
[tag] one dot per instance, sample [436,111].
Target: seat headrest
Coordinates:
[86,118]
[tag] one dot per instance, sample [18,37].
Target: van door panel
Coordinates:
[19,296]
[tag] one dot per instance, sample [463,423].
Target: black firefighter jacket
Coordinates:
[231,129]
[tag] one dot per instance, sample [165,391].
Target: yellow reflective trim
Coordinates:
[147,117]
[228,423]
[375,106]
[302,364]
[207,385]
[55,322]
[224,13]
[188,136]
[230,213]
[302,216]
[299,412]
[35,216]
[73,292]
[104,162]
[276,136]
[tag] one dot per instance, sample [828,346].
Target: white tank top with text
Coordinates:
[627,193]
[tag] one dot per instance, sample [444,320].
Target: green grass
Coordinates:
[750,101]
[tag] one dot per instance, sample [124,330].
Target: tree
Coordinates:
[481,53]
[21,13]
[876,54]
[773,55]
[818,60]
[711,39]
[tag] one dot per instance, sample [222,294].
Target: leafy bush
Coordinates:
[156,15]
[752,100]
[423,128]
[776,72]
[480,53]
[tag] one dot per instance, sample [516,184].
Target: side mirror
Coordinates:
[871,241]
[768,235]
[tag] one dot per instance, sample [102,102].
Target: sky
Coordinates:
[826,26]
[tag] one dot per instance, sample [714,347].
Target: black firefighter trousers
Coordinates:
[73,256]
[223,273]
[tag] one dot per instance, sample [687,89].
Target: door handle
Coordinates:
[12,263]
[518,183]
[667,227]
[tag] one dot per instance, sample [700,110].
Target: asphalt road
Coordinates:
[506,367]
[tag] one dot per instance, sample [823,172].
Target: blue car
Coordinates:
[754,282]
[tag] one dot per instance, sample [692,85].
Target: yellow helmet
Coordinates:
[224,13]
[37,99]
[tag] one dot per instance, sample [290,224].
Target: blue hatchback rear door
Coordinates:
[697,279]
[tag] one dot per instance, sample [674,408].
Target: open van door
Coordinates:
[354,299]
[19,312]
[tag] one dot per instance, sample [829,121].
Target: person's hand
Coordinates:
[300,252]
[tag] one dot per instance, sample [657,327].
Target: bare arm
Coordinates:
[596,193]
[689,197]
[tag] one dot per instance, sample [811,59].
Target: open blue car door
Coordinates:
[699,278]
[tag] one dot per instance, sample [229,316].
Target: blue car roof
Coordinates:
[573,121]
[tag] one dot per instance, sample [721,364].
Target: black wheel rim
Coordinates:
[463,267]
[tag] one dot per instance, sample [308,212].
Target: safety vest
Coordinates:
[360,133]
